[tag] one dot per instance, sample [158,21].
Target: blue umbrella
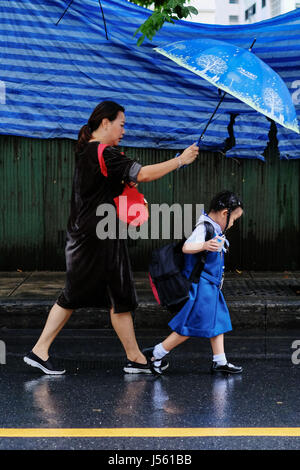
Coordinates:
[239,72]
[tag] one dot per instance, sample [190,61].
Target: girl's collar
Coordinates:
[214,223]
[218,230]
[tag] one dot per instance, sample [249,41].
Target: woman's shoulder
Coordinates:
[91,149]
[89,153]
[93,145]
[112,151]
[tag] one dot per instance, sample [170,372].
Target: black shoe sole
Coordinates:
[226,371]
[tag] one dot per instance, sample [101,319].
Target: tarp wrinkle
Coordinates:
[52,76]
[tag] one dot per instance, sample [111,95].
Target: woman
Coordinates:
[98,271]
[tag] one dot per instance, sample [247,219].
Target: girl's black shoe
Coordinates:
[227,368]
[158,366]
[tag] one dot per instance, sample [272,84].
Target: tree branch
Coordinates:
[164,11]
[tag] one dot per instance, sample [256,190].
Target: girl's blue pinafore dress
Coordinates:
[205,314]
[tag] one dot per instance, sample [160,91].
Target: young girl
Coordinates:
[205,314]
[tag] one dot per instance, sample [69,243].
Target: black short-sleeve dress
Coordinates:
[98,271]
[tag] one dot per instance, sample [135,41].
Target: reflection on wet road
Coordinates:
[96,406]
[109,403]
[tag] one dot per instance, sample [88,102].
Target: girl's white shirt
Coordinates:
[199,233]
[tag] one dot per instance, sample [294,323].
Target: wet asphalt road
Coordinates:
[95,393]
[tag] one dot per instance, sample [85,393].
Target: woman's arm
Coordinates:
[154,172]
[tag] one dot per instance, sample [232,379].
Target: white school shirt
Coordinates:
[199,233]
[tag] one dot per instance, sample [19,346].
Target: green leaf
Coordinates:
[140,40]
[193,10]
[164,11]
[172,4]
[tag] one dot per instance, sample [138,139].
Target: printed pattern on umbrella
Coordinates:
[238,72]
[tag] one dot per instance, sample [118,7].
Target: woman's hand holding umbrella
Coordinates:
[188,155]
[158,170]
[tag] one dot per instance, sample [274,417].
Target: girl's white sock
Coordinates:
[220,359]
[159,352]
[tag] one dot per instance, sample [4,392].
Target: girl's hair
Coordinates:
[225,200]
[106,109]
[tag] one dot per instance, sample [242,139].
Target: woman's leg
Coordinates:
[57,318]
[123,326]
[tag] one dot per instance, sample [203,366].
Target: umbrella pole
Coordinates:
[218,105]
[250,48]
[211,118]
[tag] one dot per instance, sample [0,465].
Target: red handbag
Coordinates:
[131,206]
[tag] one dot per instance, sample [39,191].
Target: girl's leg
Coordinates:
[57,318]
[217,344]
[161,349]
[173,340]
[123,326]
[219,358]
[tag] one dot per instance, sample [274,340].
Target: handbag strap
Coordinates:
[103,168]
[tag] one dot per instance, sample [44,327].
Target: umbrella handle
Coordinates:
[218,105]
[211,118]
[213,114]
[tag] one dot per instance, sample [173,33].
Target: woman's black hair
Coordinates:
[225,200]
[106,109]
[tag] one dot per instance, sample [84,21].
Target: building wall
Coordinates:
[230,12]
[36,178]
[206,9]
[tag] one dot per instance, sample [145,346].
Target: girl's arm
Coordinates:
[154,172]
[195,247]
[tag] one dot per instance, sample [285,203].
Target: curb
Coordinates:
[245,313]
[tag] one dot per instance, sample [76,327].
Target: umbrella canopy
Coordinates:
[238,72]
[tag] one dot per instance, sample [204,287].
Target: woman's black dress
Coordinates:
[98,271]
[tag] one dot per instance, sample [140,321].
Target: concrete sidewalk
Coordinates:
[263,300]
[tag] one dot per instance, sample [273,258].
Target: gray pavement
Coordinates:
[255,299]
[96,397]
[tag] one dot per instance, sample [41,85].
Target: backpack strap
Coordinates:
[198,268]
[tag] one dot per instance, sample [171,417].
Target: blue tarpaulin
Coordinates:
[53,75]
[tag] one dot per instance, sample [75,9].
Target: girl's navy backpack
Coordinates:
[169,286]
